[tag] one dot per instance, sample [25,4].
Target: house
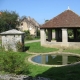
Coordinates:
[62,23]
[29,24]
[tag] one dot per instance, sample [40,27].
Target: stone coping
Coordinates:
[36,54]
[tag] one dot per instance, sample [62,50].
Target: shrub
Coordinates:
[28,36]
[20,46]
[38,33]
[27,32]
[12,63]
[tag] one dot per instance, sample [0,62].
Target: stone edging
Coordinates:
[36,54]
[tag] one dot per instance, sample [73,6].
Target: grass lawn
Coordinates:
[72,50]
[61,73]
[37,38]
[36,48]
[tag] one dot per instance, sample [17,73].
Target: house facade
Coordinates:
[29,24]
[62,24]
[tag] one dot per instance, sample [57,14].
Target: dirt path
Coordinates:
[32,41]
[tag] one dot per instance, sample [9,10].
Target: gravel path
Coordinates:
[32,41]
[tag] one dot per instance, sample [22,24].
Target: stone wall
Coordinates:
[10,41]
[72,45]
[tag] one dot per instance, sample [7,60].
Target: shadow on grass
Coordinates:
[62,73]
[26,48]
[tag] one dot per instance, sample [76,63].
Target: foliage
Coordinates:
[78,30]
[70,32]
[78,33]
[38,33]
[23,17]
[46,20]
[36,47]
[28,36]
[8,20]
[27,32]
[13,63]
[53,30]
[20,46]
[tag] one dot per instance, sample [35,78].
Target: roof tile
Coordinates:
[67,18]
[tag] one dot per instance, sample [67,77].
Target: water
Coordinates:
[58,59]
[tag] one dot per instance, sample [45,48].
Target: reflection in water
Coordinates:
[64,59]
[56,59]
[43,59]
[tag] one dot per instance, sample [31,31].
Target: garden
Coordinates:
[12,62]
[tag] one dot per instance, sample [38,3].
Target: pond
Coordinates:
[56,59]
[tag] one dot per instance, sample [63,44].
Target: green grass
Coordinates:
[63,73]
[37,48]
[36,38]
[53,30]
[72,50]
[35,70]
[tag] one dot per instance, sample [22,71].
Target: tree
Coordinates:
[8,20]
[46,20]
[23,17]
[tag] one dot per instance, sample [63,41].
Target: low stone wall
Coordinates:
[72,45]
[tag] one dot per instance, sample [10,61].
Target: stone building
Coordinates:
[62,23]
[12,40]
[29,24]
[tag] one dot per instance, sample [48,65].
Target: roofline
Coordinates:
[43,25]
[11,33]
[57,27]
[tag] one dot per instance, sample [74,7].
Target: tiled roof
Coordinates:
[66,19]
[30,20]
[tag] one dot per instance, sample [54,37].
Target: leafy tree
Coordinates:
[8,20]
[23,17]
[46,20]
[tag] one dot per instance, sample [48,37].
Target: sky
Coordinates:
[40,10]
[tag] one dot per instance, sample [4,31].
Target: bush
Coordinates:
[12,63]
[20,46]
[27,33]
[28,36]
[38,33]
